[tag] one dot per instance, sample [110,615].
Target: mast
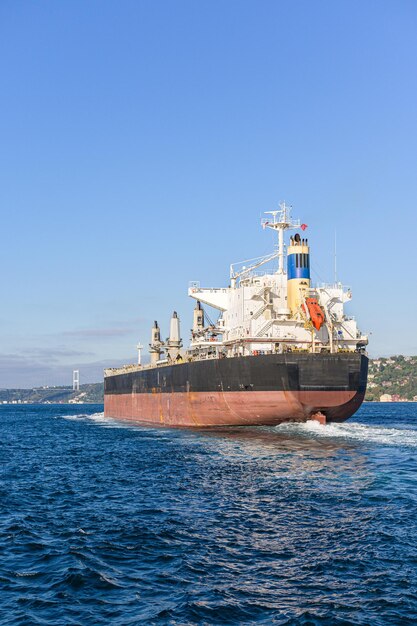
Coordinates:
[281,221]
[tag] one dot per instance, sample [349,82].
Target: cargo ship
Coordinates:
[280,350]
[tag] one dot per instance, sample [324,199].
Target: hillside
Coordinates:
[92,393]
[394,377]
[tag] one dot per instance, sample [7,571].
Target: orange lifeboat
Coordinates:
[316,312]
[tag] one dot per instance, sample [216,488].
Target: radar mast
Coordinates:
[281,221]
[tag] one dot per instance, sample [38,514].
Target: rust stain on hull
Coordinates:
[202,409]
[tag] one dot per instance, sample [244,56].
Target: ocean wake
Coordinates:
[348,431]
[354,432]
[97,418]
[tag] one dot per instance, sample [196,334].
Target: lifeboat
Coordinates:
[316,312]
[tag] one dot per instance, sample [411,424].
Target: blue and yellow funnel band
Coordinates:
[298,266]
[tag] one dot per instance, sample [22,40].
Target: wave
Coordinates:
[353,432]
[78,416]
[97,418]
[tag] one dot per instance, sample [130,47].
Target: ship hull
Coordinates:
[255,390]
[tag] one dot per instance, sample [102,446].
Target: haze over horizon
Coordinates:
[140,143]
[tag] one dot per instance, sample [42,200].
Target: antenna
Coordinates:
[335,258]
[281,224]
[76,380]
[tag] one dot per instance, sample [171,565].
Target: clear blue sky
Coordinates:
[140,141]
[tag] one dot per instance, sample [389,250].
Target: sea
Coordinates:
[103,522]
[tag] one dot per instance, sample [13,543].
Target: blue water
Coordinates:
[106,523]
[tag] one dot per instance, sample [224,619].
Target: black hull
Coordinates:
[270,372]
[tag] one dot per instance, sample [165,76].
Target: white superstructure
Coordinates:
[263,311]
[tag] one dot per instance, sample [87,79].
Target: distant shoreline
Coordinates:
[87,394]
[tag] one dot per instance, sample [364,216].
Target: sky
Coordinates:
[140,143]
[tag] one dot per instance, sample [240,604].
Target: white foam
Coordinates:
[80,416]
[97,418]
[356,432]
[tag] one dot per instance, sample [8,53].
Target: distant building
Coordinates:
[386,397]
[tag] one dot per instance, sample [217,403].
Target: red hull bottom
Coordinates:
[201,409]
